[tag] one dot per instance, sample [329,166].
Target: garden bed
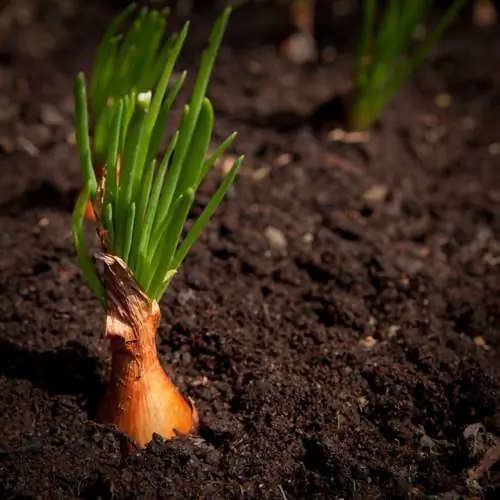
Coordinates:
[338,323]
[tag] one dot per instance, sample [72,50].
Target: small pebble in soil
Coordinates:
[44,222]
[284,159]
[185,296]
[393,331]
[480,342]
[260,174]
[226,164]
[376,194]
[368,342]
[27,146]
[39,135]
[255,67]
[276,239]
[71,138]
[485,13]
[300,48]
[308,238]
[201,381]
[362,403]
[51,116]
[339,135]
[494,148]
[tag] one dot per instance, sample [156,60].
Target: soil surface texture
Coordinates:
[338,323]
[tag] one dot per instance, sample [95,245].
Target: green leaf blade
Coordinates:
[221,149]
[144,206]
[206,215]
[86,264]
[82,135]
[193,164]
[173,233]
[382,61]
[198,95]
[129,232]
[144,248]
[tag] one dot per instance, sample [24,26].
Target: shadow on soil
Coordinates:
[45,195]
[70,370]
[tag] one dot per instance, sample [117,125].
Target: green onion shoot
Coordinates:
[382,65]
[141,204]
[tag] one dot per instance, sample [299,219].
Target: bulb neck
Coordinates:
[141,400]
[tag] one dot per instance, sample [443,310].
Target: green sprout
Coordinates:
[126,63]
[142,203]
[381,64]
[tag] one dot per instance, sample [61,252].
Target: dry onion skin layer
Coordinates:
[140,397]
[383,62]
[141,204]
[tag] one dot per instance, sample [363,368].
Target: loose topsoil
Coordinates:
[338,323]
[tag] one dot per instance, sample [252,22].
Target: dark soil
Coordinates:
[350,351]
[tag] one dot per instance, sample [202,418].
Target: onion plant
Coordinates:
[141,205]
[382,60]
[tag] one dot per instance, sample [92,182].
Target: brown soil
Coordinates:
[352,351]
